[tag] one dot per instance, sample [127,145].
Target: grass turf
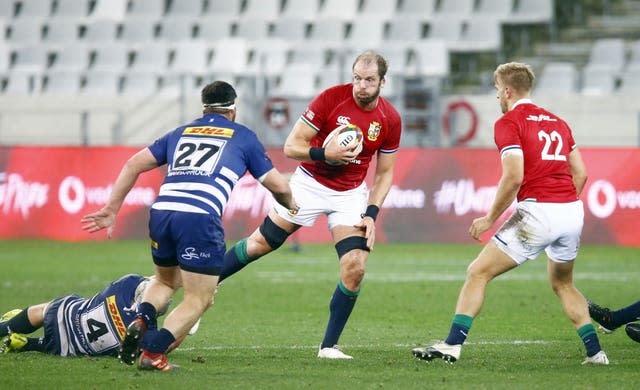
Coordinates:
[268,320]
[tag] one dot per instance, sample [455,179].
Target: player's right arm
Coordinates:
[578,170]
[106,217]
[279,187]
[298,145]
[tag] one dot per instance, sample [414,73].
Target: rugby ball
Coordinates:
[348,135]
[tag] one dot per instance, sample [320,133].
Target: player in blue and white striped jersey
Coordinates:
[205,159]
[75,326]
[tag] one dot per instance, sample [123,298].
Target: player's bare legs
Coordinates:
[573,302]
[352,268]
[491,262]
[576,308]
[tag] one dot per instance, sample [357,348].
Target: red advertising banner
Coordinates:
[44,191]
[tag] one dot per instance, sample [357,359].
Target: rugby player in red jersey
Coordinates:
[337,190]
[542,169]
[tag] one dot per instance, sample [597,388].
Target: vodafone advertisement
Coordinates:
[44,191]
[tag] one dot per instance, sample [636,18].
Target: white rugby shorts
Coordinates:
[314,199]
[534,227]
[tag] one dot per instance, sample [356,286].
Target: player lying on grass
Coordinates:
[611,320]
[76,326]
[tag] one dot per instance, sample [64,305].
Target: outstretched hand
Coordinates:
[368,225]
[99,220]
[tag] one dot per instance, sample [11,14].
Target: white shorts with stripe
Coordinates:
[314,199]
[534,227]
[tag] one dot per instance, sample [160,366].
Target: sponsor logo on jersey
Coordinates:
[540,118]
[115,316]
[343,120]
[209,131]
[374,131]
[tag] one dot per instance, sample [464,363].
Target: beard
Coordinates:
[365,101]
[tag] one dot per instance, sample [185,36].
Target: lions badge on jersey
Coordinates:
[374,131]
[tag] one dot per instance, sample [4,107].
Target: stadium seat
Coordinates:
[22,83]
[177,28]
[422,9]
[290,28]
[34,9]
[405,30]
[298,80]
[634,56]
[316,56]
[630,83]
[398,56]
[71,9]
[185,8]
[109,9]
[190,58]
[151,58]
[270,57]
[230,55]
[113,57]
[481,34]
[597,82]
[227,8]
[532,12]
[268,10]
[252,29]
[101,31]
[139,84]
[432,58]
[138,30]
[556,79]
[448,29]
[25,32]
[330,77]
[101,83]
[7,9]
[608,53]
[498,9]
[365,34]
[327,32]
[338,9]
[70,58]
[5,58]
[61,82]
[306,10]
[59,31]
[152,9]
[377,9]
[456,8]
[214,27]
[31,58]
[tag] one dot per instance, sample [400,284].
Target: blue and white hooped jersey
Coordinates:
[79,326]
[205,160]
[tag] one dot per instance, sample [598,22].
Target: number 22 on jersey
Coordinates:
[553,141]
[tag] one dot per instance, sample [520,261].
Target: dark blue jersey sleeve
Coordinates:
[159,149]
[258,161]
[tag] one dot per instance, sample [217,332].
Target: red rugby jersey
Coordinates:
[545,141]
[380,127]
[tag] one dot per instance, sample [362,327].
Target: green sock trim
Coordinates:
[348,292]
[463,320]
[241,251]
[586,330]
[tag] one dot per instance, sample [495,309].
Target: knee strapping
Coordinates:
[272,233]
[348,244]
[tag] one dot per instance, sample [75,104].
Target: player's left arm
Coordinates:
[578,170]
[106,217]
[512,175]
[381,186]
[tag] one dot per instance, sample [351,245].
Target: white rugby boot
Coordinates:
[598,358]
[449,353]
[332,353]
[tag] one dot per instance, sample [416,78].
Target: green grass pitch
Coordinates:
[267,322]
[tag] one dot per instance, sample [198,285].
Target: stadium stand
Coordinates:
[557,78]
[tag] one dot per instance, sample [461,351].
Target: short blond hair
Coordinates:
[516,75]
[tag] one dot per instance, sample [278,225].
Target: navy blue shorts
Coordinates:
[193,241]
